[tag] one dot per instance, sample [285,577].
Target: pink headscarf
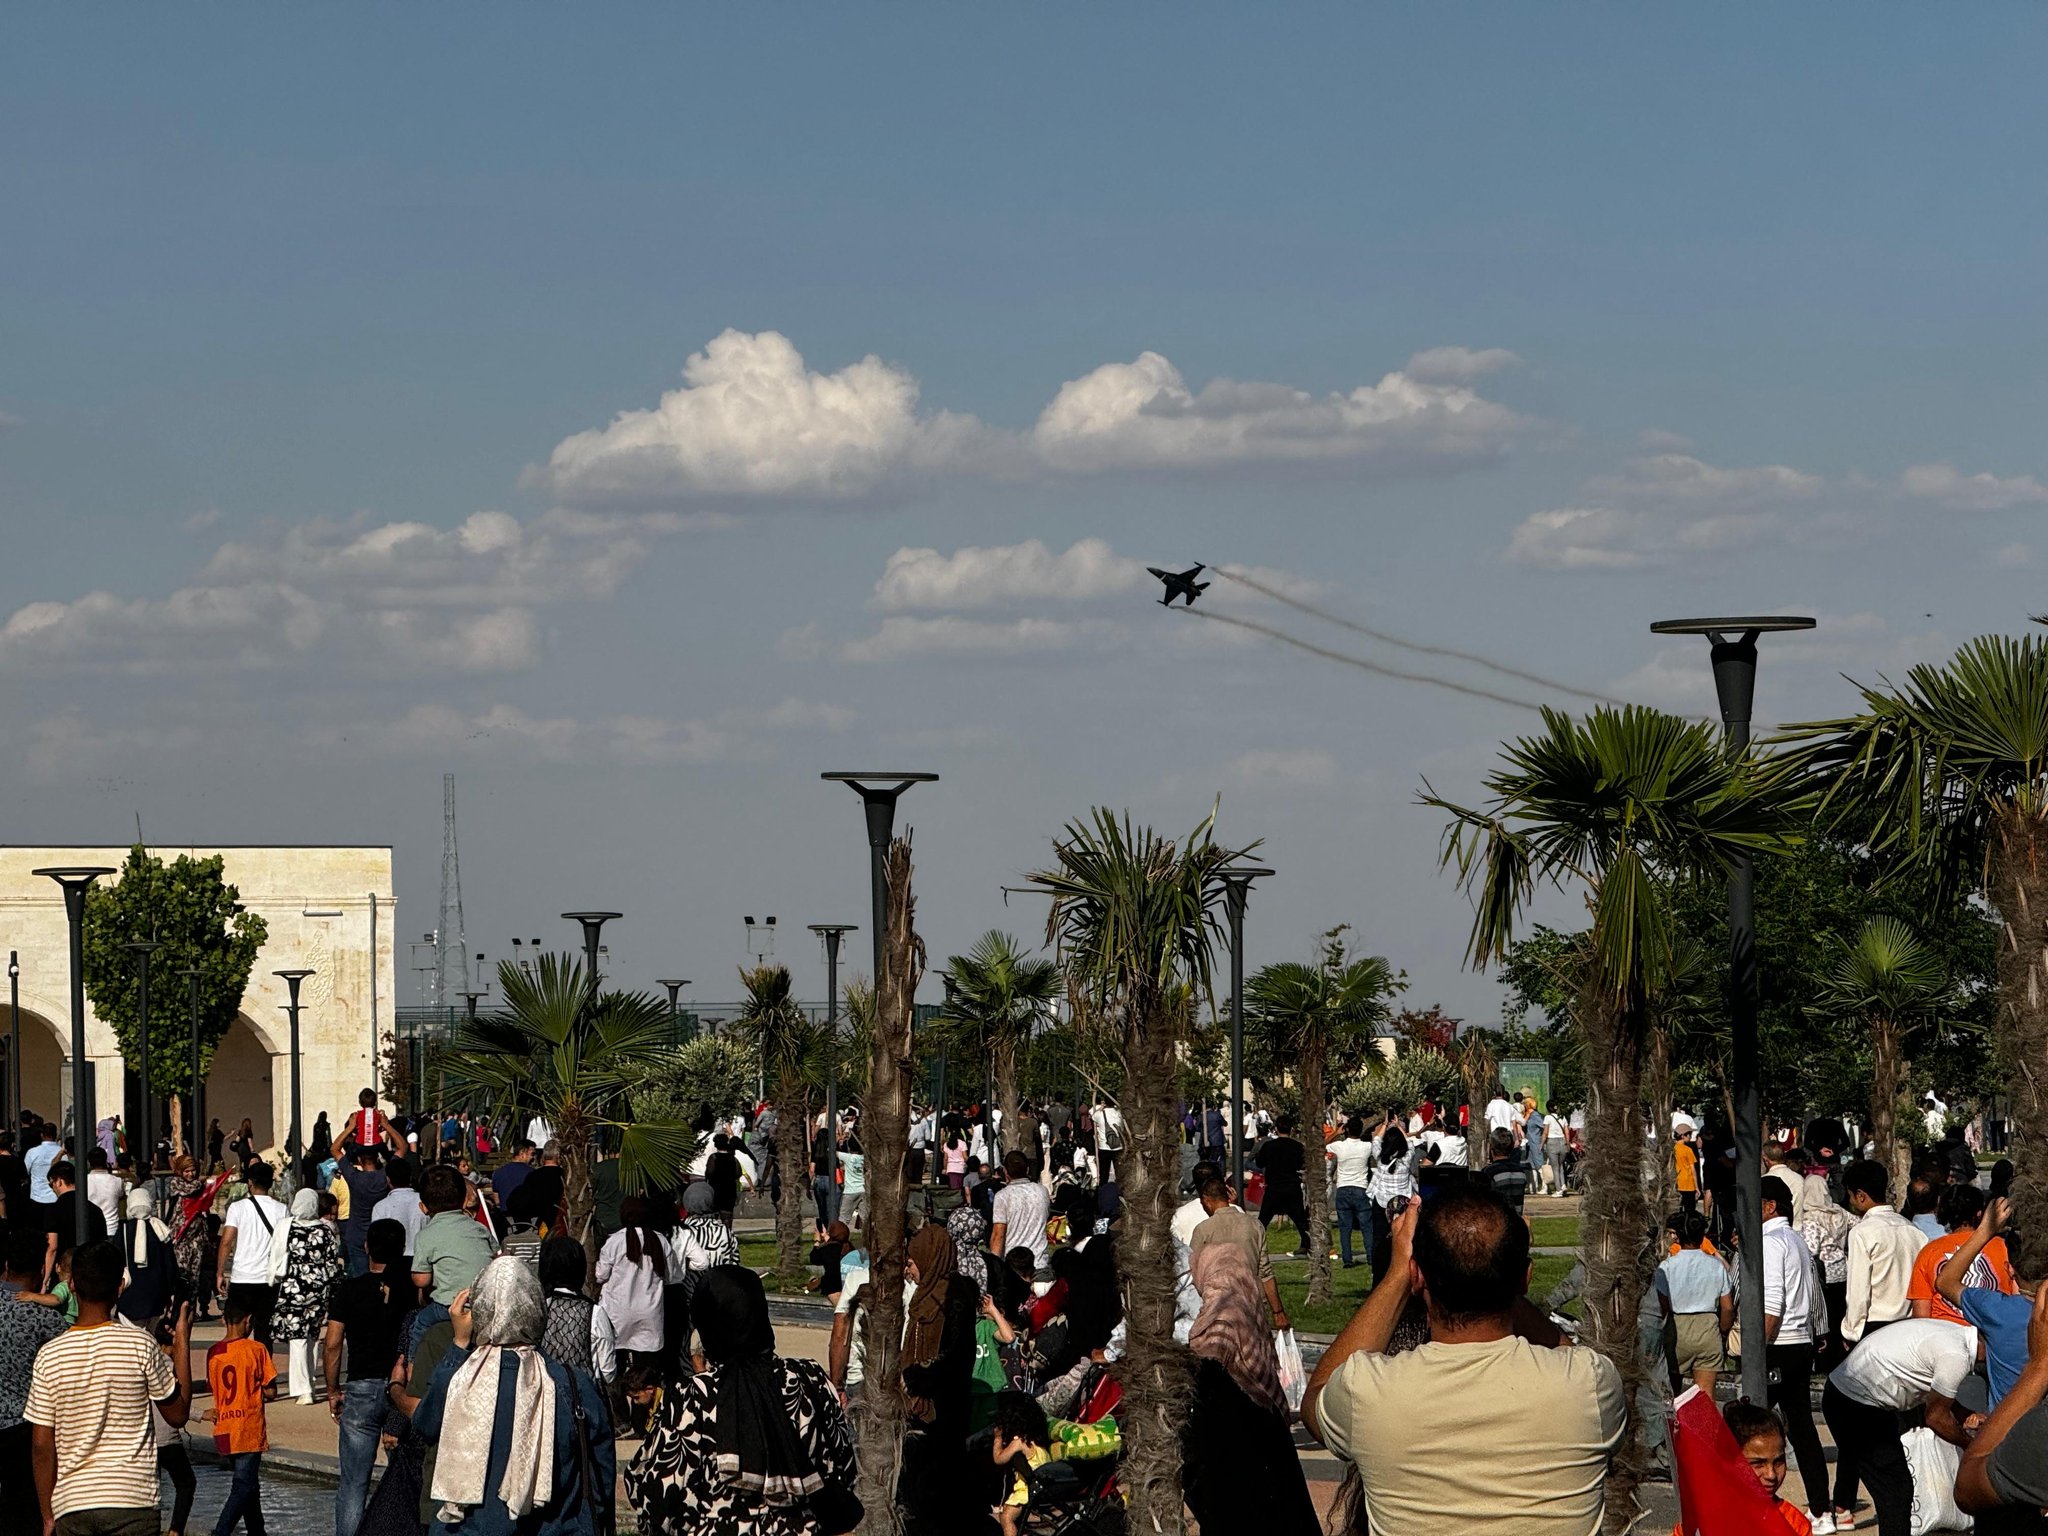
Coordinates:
[1233,1329]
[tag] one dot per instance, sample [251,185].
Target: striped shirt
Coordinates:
[1389,1181]
[93,1387]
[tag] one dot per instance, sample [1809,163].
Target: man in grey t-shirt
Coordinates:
[1019,1213]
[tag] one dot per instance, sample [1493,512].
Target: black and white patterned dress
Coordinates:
[673,1483]
[312,1265]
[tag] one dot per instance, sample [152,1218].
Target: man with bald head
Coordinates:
[1490,1426]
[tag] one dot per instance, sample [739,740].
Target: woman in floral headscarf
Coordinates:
[312,1265]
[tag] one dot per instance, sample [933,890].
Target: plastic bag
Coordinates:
[1933,1462]
[1293,1378]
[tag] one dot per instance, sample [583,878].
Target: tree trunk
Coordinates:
[792,1159]
[1476,1065]
[579,1196]
[1003,1050]
[1657,1094]
[1157,1374]
[1616,1236]
[1315,1182]
[2019,889]
[178,1125]
[1887,1073]
[885,1133]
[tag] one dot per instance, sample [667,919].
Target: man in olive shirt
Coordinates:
[1486,1427]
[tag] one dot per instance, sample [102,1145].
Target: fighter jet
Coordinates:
[1183,585]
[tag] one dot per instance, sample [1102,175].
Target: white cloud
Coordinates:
[1308,767]
[1579,539]
[1948,486]
[1660,506]
[1679,477]
[752,420]
[2015,555]
[900,638]
[1142,415]
[1027,572]
[1663,440]
[199,522]
[392,596]
[504,731]
[67,748]
[1458,365]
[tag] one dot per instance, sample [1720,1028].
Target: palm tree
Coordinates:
[790,1049]
[1893,980]
[1617,803]
[886,1012]
[1135,922]
[994,997]
[574,1058]
[1479,1070]
[1301,1016]
[1951,772]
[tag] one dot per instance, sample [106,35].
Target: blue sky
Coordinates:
[1750,312]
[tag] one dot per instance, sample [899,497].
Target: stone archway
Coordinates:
[44,1083]
[241,1082]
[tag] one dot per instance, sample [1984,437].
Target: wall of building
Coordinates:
[294,890]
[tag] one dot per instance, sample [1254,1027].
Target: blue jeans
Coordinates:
[358,1257]
[825,1192]
[362,1420]
[245,1495]
[1352,1205]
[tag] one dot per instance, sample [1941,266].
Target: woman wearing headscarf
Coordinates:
[938,1379]
[701,1221]
[151,1284]
[756,1445]
[312,1264]
[524,1443]
[969,1230]
[1239,1467]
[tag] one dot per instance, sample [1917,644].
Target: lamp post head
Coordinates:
[1734,659]
[142,947]
[593,924]
[74,879]
[879,793]
[13,965]
[292,979]
[678,982]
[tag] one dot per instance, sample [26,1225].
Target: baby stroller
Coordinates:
[1076,1493]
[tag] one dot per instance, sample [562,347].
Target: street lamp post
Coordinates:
[75,882]
[293,1150]
[193,1128]
[14,1042]
[1237,888]
[879,793]
[832,933]
[142,949]
[675,985]
[471,999]
[593,925]
[1734,660]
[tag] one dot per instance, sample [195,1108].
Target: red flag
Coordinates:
[1717,1493]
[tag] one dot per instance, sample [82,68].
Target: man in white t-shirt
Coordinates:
[1019,1213]
[1109,1140]
[1500,1114]
[1452,1149]
[251,1226]
[1917,1364]
[1792,1297]
[89,1398]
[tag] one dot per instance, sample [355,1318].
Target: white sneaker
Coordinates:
[1823,1524]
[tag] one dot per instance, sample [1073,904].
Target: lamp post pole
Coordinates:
[879,793]
[74,883]
[832,933]
[1237,888]
[593,925]
[1733,655]
[194,1131]
[142,949]
[675,985]
[293,1150]
[14,1042]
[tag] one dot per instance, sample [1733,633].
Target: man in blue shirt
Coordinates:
[2000,1319]
[37,1160]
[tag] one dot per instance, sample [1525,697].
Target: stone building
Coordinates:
[328,910]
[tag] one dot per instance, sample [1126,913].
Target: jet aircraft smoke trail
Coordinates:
[1450,652]
[1357,661]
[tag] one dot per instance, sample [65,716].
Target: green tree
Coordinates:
[1303,1017]
[1135,921]
[195,916]
[702,1079]
[996,996]
[1616,804]
[575,1060]
[790,1050]
[1889,981]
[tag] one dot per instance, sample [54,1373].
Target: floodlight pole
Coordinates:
[1733,655]
[1237,884]
[84,1119]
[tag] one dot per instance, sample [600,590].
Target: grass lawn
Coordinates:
[1554,1231]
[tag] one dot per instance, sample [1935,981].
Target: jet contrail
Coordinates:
[1411,645]
[1357,661]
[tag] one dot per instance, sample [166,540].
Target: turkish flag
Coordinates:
[1717,1493]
